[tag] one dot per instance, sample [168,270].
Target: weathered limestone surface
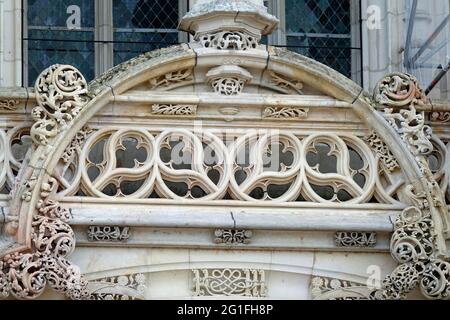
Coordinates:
[90,174]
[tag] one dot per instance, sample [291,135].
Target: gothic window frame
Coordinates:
[280,35]
[103,40]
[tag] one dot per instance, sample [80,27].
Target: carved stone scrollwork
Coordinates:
[130,287]
[285,113]
[230,283]
[61,93]
[399,90]
[232,236]
[355,239]
[25,275]
[9,105]
[76,144]
[174,110]
[412,129]
[413,246]
[417,241]
[225,40]
[334,289]
[442,117]
[388,160]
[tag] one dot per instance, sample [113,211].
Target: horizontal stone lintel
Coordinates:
[320,219]
[200,238]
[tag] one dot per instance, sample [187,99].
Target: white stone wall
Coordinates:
[10,43]
[288,274]
[384,46]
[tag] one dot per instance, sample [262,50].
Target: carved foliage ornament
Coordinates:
[25,275]
[174,110]
[286,84]
[61,93]
[335,289]
[285,113]
[225,40]
[129,287]
[172,78]
[399,90]
[413,246]
[443,117]
[387,159]
[9,104]
[232,236]
[415,243]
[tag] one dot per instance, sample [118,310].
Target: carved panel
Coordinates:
[286,84]
[285,113]
[174,110]
[230,236]
[334,289]
[355,239]
[443,117]
[108,234]
[9,105]
[225,40]
[130,287]
[172,78]
[230,283]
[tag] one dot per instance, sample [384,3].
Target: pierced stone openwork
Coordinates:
[225,40]
[205,165]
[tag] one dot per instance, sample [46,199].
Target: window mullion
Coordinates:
[104,36]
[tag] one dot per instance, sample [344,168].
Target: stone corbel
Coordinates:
[37,222]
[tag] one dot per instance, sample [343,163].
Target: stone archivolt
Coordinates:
[62,95]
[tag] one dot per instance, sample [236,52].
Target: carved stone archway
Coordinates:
[226,59]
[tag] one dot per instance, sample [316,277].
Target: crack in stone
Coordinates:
[234,220]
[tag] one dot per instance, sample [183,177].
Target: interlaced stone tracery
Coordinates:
[159,161]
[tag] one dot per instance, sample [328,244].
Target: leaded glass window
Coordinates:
[321,29]
[60,32]
[143,25]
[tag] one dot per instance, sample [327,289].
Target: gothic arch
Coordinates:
[39,225]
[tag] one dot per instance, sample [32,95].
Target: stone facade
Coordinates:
[223,168]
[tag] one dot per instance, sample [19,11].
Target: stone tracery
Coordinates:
[62,94]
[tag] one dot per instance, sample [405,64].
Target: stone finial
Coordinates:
[215,16]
